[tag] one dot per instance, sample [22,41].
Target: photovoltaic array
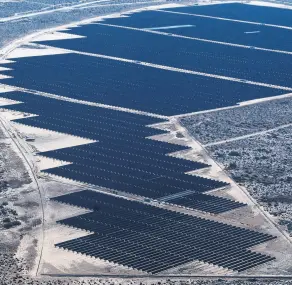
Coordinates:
[152,239]
[131,85]
[204,57]
[182,60]
[242,12]
[122,158]
[193,24]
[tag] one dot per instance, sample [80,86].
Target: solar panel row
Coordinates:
[152,239]
[205,203]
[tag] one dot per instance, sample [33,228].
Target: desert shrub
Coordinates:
[11,224]
[234,153]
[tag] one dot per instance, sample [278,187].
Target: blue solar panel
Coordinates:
[238,11]
[206,57]
[208,28]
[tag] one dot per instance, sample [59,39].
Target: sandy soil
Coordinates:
[197,267]
[5,102]
[2,76]
[4,68]
[31,51]
[46,140]
[57,36]
[11,115]
[5,88]
[5,61]
[47,163]
[169,138]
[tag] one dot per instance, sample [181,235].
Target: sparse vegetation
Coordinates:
[179,135]
[227,124]
[260,163]
[8,217]
[263,167]
[11,224]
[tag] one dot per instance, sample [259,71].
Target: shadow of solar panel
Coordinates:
[153,239]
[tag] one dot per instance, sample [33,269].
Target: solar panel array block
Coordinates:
[201,56]
[195,26]
[122,158]
[144,88]
[152,239]
[242,12]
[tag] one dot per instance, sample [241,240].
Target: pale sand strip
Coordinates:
[4,68]
[29,52]
[3,76]
[54,36]
[5,102]
[5,61]
[6,88]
